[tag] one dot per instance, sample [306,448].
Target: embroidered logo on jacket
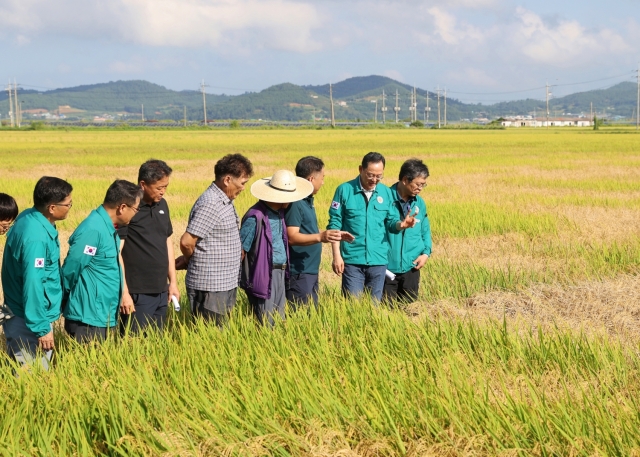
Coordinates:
[90,250]
[335,205]
[39,263]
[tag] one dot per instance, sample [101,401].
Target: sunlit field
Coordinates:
[524,340]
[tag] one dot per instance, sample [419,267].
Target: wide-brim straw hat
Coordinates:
[282,187]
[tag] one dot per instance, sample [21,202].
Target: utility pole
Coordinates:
[638,102]
[10,104]
[384,108]
[204,101]
[375,118]
[397,108]
[591,111]
[426,111]
[17,105]
[445,106]
[547,104]
[314,115]
[184,115]
[333,115]
[411,107]
[439,107]
[142,112]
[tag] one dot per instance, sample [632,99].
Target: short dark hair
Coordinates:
[235,165]
[153,170]
[50,190]
[373,157]
[8,208]
[122,192]
[412,169]
[308,165]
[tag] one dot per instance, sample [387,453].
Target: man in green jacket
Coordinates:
[409,250]
[31,276]
[363,207]
[93,277]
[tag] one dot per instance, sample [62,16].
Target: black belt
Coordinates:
[279,266]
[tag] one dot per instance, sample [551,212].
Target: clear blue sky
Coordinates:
[468,46]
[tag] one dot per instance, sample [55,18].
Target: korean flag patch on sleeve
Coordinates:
[90,250]
[335,205]
[39,263]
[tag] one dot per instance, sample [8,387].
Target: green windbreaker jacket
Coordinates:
[92,273]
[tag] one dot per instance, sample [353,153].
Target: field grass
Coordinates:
[524,340]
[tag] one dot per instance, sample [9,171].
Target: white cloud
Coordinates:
[449,30]
[563,43]
[255,24]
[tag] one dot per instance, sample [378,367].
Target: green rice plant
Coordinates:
[361,374]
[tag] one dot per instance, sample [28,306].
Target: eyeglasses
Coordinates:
[418,186]
[4,227]
[372,176]
[68,205]
[135,208]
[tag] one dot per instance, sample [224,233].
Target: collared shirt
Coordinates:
[405,205]
[405,247]
[92,273]
[369,221]
[145,255]
[304,259]
[215,263]
[31,277]
[248,233]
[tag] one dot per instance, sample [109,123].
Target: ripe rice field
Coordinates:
[525,340]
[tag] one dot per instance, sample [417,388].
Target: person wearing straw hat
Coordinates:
[263,233]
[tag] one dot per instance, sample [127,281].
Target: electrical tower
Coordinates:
[375,116]
[333,116]
[412,107]
[384,108]
[438,92]
[638,101]
[10,103]
[204,101]
[17,111]
[397,108]
[426,111]
[548,104]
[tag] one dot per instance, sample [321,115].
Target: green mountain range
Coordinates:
[354,99]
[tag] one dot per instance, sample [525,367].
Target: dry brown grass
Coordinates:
[610,307]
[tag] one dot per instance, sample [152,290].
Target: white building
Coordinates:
[528,121]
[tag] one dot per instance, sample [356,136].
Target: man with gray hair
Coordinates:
[211,244]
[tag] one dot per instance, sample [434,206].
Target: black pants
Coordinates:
[402,289]
[302,289]
[151,310]
[85,333]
